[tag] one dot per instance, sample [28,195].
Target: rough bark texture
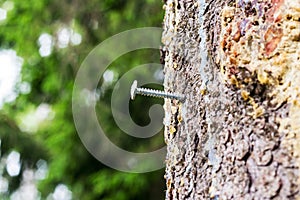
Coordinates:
[237,135]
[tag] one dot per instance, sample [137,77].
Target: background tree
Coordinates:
[237,134]
[53,37]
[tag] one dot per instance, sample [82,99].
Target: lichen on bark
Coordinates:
[237,134]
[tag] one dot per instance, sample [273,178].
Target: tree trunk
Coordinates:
[237,134]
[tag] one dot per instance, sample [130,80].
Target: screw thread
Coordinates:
[158,94]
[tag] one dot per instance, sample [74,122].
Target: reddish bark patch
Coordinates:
[274,15]
[272,37]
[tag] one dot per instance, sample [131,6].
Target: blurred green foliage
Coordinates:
[51,79]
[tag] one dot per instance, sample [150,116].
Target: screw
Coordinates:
[153,93]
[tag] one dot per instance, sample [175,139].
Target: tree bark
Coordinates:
[237,134]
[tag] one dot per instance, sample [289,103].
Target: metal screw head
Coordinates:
[133,89]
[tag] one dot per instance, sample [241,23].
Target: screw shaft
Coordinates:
[158,94]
